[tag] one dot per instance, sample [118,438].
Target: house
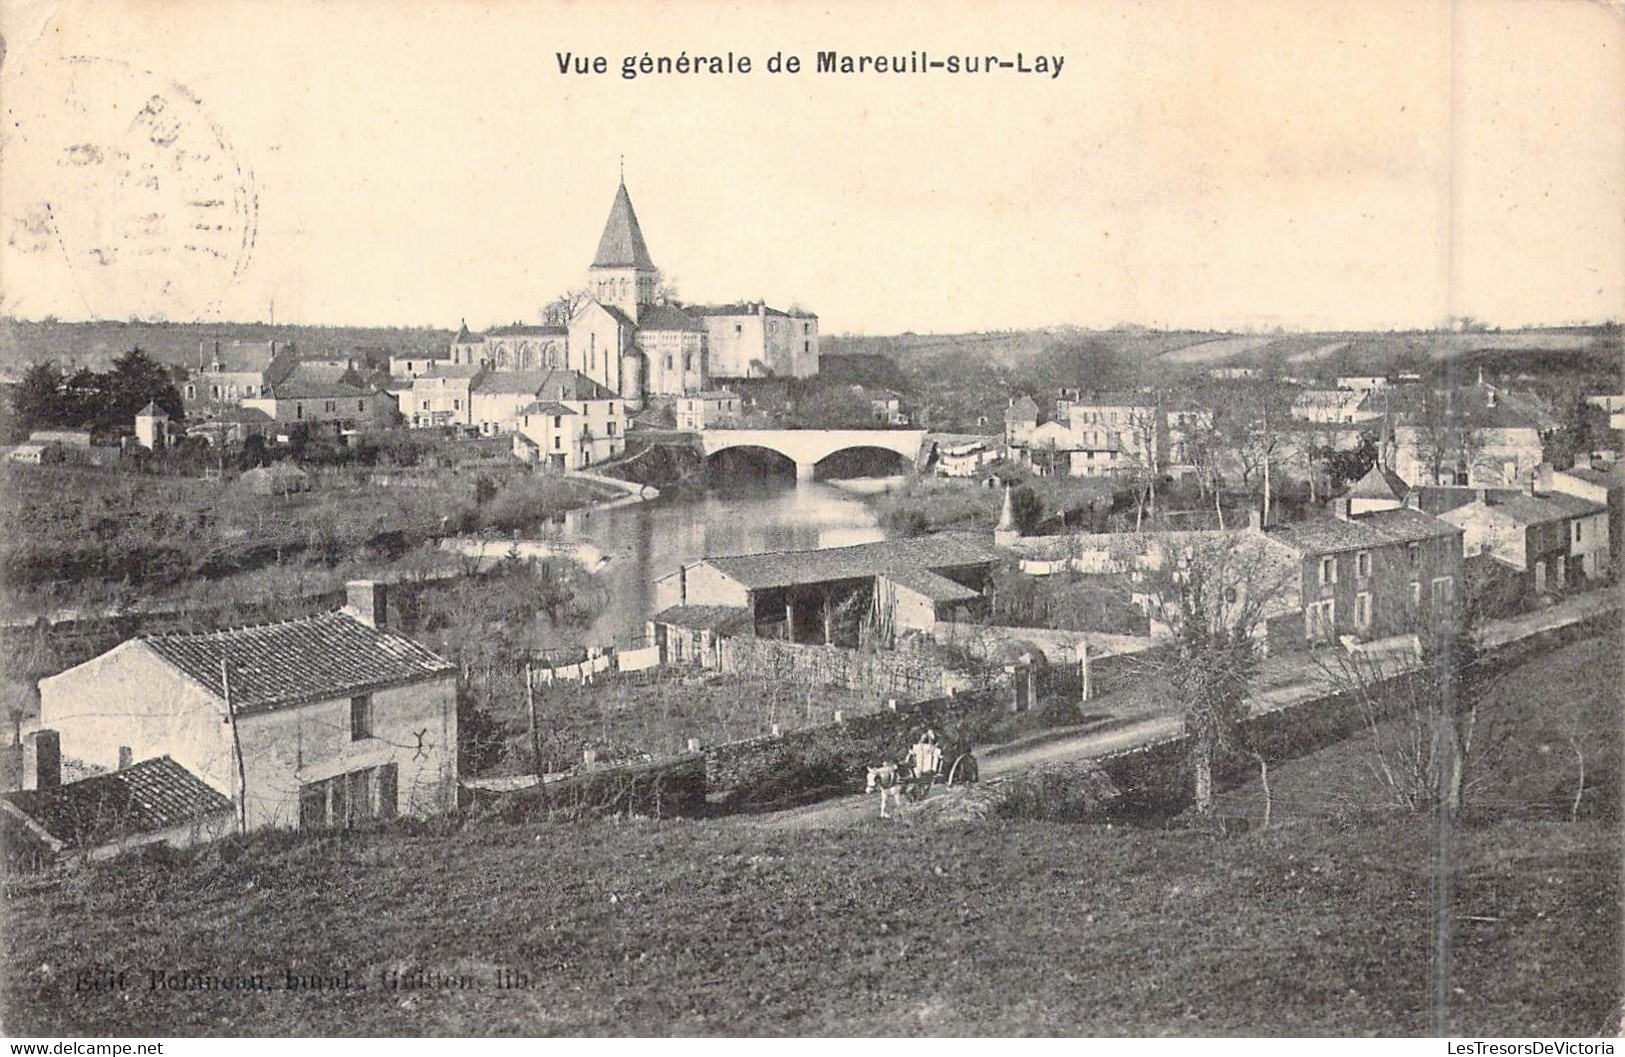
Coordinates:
[794,595]
[444,395]
[1138,419]
[231,372]
[1480,437]
[887,405]
[497,397]
[704,410]
[232,425]
[156,801]
[1549,540]
[308,723]
[964,457]
[579,424]
[279,478]
[1363,383]
[1589,480]
[411,365]
[1381,573]
[1020,419]
[304,397]
[1334,405]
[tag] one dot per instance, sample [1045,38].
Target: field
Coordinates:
[1320,925]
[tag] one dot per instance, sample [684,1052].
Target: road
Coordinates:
[1279,683]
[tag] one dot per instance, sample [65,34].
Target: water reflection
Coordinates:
[645,541]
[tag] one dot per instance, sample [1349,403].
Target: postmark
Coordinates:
[127,187]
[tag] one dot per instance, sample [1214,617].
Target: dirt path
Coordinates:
[1280,683]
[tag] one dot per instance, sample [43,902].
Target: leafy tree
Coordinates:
[38,401]
[485,490]
[137,380]
[253,453]
[1028,508]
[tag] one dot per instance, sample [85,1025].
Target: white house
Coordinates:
[314,722]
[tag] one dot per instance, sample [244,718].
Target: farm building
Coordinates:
[818,595]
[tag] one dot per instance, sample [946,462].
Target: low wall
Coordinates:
[661,789]
[899,675]
[1113,659]
[808,763]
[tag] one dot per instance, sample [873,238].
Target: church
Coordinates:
[623,335]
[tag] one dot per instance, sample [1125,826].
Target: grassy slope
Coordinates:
[1319,926]
[717,928]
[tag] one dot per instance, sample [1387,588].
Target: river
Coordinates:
[645,541]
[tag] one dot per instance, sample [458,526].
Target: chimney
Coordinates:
[1341,508]
[46,772]
[368,602]
[125,757]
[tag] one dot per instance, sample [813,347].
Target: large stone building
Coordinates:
[623,335]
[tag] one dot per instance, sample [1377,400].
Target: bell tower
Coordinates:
[622,274]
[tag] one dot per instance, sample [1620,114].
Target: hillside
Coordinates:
[95,344]
[1320,925]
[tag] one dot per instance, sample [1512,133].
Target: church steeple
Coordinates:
[623,275]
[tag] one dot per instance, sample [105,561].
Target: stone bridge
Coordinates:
[808,447]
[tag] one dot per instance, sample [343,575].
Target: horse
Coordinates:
[889,782]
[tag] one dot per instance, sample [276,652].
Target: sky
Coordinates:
[1211,165]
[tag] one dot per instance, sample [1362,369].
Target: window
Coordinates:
[1416,594]
[806,346]
[1444,590]
[1577,532]
[298,410]
[361,717]
[688,361]
[806,328]
[612,407]
[558,421]
[456,405]
[668,361]
[739,328]
[361,405]
[558,442]
[1328,571]
[214,391]
[248,390]
[191,392]
[1362,610]
[611,428]
[1320,620]
[346,799]
[425,405]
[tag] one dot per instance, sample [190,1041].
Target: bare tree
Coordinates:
[1216,593]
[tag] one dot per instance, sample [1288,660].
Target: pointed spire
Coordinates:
[1007,516]
[622,245]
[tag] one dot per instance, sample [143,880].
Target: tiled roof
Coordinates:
[1115,398]
[546,407]
[144,798]
[782,568]
[452,370]
[1438,499]
[1022,409]
[314,389]
[704,618]
[314,658]
[621,245]
[520,382]
[1380,482]
[1376,529]
[152,410]
[714,394]
[525,330]
[668,317]
[927,583]
[743,308]
[1609,478]
[567,384]
[242,357]
[1544,509]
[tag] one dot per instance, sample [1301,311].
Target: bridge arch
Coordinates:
[808,447]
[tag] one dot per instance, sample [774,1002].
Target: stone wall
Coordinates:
[886,675]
